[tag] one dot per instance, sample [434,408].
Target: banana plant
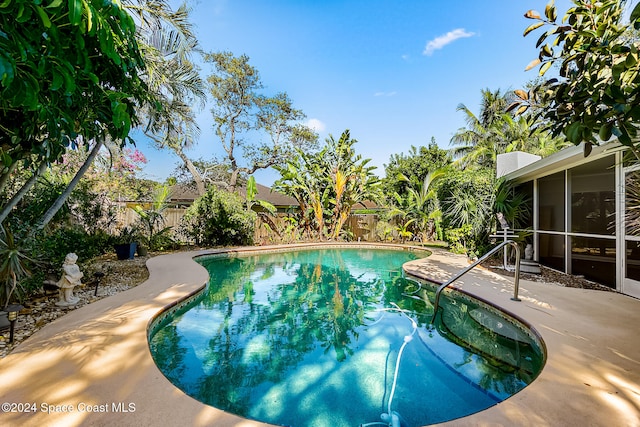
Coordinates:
[403,230]
[252,191]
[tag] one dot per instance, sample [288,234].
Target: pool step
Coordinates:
[497,324]
[528,266]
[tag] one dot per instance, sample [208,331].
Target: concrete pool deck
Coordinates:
[93,365]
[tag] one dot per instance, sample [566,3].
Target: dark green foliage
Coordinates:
[467,200]
[14,266]
[68,68]
[36,202]
[415,165]
[514,205]
[219,218]
[596,96]
[51,248]
[46,255]
[84,208]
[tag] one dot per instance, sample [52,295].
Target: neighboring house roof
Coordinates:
[366,204]
[275,198]
[183,193]
[563,159]
[187,194]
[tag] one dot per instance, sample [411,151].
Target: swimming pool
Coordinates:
[338,337]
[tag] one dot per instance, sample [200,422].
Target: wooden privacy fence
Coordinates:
[362,226]
[125,216]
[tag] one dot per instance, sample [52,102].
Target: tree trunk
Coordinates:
[46,218]
[233,181]
[5,176]
[20,194]
[192,169]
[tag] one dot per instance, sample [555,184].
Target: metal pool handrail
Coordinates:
[469,268]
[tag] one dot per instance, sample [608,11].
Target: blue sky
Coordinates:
[391,72]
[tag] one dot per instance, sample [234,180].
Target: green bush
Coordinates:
[51,248]
[219,218]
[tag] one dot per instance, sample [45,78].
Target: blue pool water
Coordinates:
[338,337]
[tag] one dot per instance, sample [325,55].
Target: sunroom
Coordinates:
[585,211]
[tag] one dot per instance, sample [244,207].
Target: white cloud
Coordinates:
[441,41]
[219,6]
[394,93]
[316,125]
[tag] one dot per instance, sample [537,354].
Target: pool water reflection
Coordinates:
[337,337]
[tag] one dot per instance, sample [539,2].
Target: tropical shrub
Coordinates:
[151,220]
[219,218]
[415,166]
[460,239]
[51,248]
[467,201]
[14,266]
[328,184]
[384,231]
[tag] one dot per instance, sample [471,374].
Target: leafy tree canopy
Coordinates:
[67,68]
[243,115]
[414,165]
[597,94]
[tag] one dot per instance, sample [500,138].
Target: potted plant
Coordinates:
[126,243]
[142,248]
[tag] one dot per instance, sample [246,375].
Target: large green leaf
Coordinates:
[532,27]
[573,132]
[75,11]
[635,16]
[43,16]
[54,4]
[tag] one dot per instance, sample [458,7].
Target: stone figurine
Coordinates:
[528,252]
[71,276]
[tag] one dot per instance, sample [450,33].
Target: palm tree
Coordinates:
[520,134]
[496,132]
[427,204]
[168,43]
[477,141]
[493,106]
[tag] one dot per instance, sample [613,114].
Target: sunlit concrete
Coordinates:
[592,374]
[93,366]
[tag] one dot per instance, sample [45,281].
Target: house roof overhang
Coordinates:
[563,159]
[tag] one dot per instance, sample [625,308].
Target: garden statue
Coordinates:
[71,276]
[502,220]
[528,251]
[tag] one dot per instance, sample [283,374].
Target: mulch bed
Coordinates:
[548,275]
[40,310]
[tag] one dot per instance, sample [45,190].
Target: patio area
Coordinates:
[93,366]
